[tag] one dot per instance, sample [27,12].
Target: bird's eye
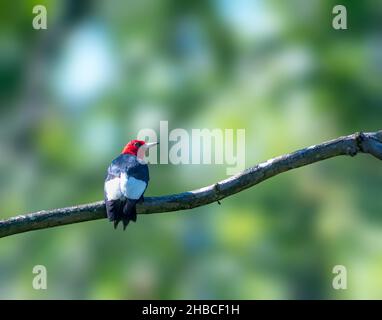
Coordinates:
[137,144]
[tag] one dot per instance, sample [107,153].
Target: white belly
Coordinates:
[113,189]
[132,188]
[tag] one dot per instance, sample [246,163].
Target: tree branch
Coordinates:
[349,145]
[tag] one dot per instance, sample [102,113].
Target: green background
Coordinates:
[73,95]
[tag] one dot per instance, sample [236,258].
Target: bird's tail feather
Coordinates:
[118,210]
[114,210]
[129,212]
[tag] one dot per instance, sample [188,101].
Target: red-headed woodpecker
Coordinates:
[126,182]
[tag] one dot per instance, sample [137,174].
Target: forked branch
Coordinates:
[370,143]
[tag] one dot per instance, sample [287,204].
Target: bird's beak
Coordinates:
[151,144]
[142,150]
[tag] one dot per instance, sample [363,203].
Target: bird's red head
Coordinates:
[133,146]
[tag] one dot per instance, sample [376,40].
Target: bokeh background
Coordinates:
[73,95]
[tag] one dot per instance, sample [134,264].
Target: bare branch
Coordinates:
[349,145]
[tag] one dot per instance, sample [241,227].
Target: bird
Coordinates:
[126,181]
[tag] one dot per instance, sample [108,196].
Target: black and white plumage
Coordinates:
[126,182]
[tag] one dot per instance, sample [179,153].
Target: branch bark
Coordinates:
[370,143]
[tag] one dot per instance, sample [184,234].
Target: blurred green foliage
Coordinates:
[73,95]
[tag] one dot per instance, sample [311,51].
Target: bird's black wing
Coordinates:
[134,181]
[112,192]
